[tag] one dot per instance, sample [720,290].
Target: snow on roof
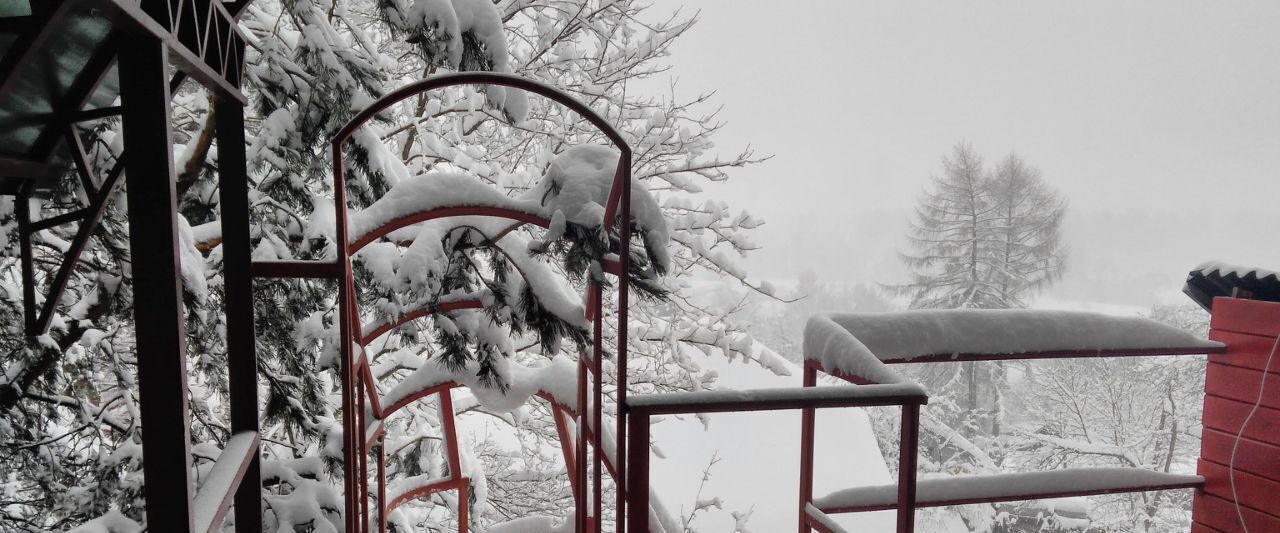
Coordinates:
[1218,279]
[903,336]
[1007,487]
[1223,269]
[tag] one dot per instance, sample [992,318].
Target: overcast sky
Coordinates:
[1159,121]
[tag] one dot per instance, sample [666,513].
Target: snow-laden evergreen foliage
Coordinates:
[68,405]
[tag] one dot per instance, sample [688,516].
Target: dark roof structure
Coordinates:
[58,66]
[1214,279]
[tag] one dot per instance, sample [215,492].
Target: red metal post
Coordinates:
[362,460]
[455,460]
[638,472]
[242,357]
[597,416]
[624,289]
[580,451]
[382,483]
[351,439]
[566,448]
[156,268]
[806,452]
[907,458]
[464,504]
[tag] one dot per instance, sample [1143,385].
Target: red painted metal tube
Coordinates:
[908,455]
[638,473]
[464,504]
[486,78]
[566,448]
[580,450]
[597,416]
[622,181]
[346,294]
[1060,354]
[450,483]
[382,484]
[446,212]
[806,453]
[416,314]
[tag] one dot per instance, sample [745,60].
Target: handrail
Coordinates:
[641,409]
[833,348]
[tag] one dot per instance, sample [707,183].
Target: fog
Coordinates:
[1159,122]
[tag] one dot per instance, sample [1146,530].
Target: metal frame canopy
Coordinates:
[359,383]
[64,62]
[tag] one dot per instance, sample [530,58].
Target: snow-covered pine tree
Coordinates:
[951,238]
[981,239]
[1028,254]
[68,407]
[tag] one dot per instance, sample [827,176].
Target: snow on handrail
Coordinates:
[777,398]
[215,494]
[983,334]
[960,490]
[557,378]
[819,520]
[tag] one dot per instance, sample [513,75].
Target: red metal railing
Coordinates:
[888,388]
[359,385]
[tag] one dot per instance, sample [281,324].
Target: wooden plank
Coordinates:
[1241,384]
[1246,316]
[1254,457]
[1221,514]
[1254,491]
[1201,527]
[1227,415]
[1246,351]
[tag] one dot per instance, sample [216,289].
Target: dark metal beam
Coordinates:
[28,267]
[156,273]
[88,223]
[242,358]
[53,222]
[99,113]
[25,169]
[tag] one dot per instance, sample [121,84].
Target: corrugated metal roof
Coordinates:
[51,65]
[57,60]
[1216,278]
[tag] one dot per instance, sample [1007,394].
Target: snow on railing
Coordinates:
[1019,486]
[215,494]
[857,347]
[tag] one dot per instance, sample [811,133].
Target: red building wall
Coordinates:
[1249,329]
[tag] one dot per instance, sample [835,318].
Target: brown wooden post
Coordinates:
[1233,383]
[157,284]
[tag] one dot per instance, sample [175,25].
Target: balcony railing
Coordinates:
[858,348]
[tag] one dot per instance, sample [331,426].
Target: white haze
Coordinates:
[1159,121]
